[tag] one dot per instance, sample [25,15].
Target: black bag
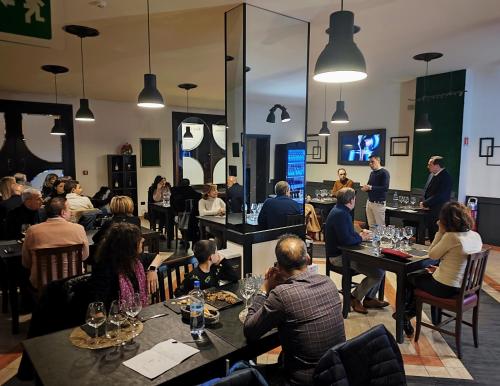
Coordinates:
[183,220]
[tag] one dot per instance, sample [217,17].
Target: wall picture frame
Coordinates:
[150,152]
[486,146]
[400,146]
[317,149]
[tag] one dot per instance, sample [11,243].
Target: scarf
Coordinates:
[127,288]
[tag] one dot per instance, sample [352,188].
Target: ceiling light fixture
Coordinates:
[187,87]
[324,131]
[84,113]
[340,116]
[423,123]
[58,128]
[341,60]
[285,117]
[150,97]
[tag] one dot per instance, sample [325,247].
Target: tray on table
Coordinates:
[176,304]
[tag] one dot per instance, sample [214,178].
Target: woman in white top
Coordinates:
[211,205]
[452,244]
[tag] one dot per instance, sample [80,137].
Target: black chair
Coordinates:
[372,358]
[172,266]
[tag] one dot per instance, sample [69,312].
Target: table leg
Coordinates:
[421,232]
[400,305]
[346,284]
[13,299]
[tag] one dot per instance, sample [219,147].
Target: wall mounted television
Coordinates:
[356,146]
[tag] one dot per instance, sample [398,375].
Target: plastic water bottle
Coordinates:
[196,318]
[395,199]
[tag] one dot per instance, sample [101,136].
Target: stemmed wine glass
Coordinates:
[389,233]
[376,237]
[247,289]
[407,201]
[96,316]
[317,193]
[401,200]
[117,317]
[132,308]
[408,233]
[413,201]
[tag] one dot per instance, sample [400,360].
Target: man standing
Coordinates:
[342,182]
[377,187]
[234,195]
[305,307]
[274,212]
[437,192]
[339,231]
[27,213]
[57,231]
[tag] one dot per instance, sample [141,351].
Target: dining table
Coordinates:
[365,254]
[415,215]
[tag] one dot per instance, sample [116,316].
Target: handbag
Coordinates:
[183,220]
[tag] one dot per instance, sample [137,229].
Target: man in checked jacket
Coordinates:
[305,307]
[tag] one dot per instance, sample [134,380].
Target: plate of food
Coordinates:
[221,299]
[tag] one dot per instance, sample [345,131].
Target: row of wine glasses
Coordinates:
[322,194]
[407,201]
[391,237]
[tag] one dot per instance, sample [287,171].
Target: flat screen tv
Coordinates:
[356,146]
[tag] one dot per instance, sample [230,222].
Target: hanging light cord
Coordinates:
[187,101]
[55,85]
[83,75]
[324,114]
[149,42]
[341,92]
[341,5]
[426,73]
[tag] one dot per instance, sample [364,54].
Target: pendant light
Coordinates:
[341,60]
[58,128]
[423,123]
[150,97]
[187,87]
[285,116]
[84,113]
[324,131]
[340,116]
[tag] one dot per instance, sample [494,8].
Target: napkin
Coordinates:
[395,252]
[160,358]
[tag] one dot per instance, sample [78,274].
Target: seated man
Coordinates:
[27,213]
[57,231]
[211,268]
[342,182]
[82,210]
[234,195]
[339,231]
[305,307]
[274,212]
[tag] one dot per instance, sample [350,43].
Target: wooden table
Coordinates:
[418,216]
[56,360]
[363,254]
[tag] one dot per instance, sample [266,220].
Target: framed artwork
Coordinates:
[400,146]
[486,146]
[150,152]
[317,149]
[493,160]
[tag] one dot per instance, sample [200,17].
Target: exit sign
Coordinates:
[26,18]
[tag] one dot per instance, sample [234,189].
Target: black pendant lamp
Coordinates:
[324,131]
[150,97]
[423,124]
[54,69]
[341,60]
[84,114]
[340,116]
[187,87]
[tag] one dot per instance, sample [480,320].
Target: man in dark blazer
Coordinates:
[437,192]
[274,212]
[234,195]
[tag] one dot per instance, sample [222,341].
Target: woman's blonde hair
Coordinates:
[208,189]
[6,186]
[121,205]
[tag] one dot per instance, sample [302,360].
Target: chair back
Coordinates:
[295,219]
[171,268]
[474,273]
[58,263]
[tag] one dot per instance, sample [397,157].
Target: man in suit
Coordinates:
[234,195]
[274,212]
[437,192]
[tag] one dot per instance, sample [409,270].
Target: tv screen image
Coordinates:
[357,146]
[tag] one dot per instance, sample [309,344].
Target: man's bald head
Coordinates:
[231,180]
[291,252]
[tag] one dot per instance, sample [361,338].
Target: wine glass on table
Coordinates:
[389,233]
[413,201]
[407,201]
[401,201]
[117,317]
[408,233]
[132,308]
[247,289]
[317,193]
[96,316]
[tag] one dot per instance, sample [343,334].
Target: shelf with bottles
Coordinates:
[129,164]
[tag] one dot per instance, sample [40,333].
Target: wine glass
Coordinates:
[389,233]
[96,316]
[401,200]
[132,308]
[247,289]
[407,200]
[117,317]
[413,201]
[376,237]
[408,233]
[316,193]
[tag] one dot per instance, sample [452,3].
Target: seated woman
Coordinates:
[57,190]
[48,184]
[312,225]
[160,191]
[211,268]
[119,272]
[122,209]
[211,205]
[452,244]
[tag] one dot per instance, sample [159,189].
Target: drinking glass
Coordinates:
[247,289]
[24,228]
[96,316]
[389,233]
[408,233]
[376,237]
[407,200]
[401,200]
[413,201]
[132,308]
[117,317]
[316,193]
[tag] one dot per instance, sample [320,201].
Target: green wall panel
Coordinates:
[446,116]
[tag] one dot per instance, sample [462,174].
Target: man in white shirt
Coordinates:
[82,210]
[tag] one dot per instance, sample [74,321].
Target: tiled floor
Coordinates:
[430,357]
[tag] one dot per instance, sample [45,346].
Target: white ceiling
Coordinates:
[188,44]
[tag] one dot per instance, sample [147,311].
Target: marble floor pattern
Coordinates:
[430,357]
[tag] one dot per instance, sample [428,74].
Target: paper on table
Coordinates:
[409,210]
[160,358]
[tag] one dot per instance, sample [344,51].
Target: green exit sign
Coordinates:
[26,18]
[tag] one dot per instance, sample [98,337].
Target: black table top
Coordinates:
[10,249]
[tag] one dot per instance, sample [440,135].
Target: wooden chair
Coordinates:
[467,299]
[58,263]
[172,266]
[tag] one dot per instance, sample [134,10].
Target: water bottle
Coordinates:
[395,199]
[196,317]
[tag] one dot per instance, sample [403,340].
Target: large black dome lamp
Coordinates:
[341,60]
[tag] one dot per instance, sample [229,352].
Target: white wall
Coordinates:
[116,123]
[481,119]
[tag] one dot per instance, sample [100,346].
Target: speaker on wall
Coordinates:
[236,149]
